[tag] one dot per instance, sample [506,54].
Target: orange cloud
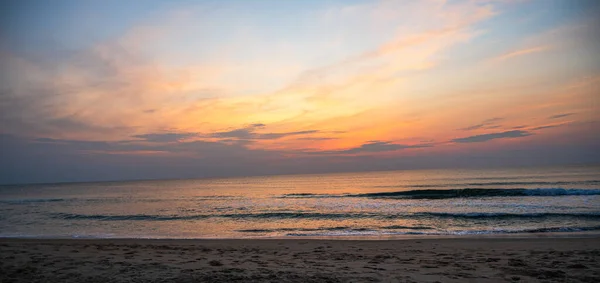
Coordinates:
[520,52]
[392,91]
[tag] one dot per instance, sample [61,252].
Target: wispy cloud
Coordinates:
[492,136]
[520,52]
[165,137]
[250,133]
[159,143]
[558,116]
[374,147]
[487,124]
[549,126]
[317,138]
[543,127]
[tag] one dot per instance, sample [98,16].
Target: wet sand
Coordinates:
[301,260]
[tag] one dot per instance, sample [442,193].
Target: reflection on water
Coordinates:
[429,202]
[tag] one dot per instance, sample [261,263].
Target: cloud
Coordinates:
[226,151]
[474,127]
[249,133]
[76,145]
[374,147]
[245,133]
[488,124]
[166,137]
[316,138]
[141,82]
[544,127]
[520,52]
[379,146]
[58,160]
[495,119]
[560,116]
[549,126]
[95,92]
[487,137]
[493,127]
[408,49]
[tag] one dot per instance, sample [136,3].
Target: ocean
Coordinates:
[368,205]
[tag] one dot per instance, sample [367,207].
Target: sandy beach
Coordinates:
[545,259]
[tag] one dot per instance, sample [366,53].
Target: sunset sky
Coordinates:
[109,90]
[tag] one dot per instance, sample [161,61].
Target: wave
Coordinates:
[448,233]
[330,232]
[132,217]
[473,192]
[146,217]
[457,193]
[325,216]
[310,195]
[26,201]
[294,229]
[519,183]
[340,228]
[218,197]
[559,229]
[399,227]
[493,215]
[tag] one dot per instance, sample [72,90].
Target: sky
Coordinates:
[119,90]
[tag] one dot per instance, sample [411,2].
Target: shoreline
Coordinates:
[490,259]
[384,237]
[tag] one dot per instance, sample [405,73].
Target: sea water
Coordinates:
[371,204]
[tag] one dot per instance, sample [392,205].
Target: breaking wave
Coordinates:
[458,193]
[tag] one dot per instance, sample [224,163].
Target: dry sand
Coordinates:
[300,260]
